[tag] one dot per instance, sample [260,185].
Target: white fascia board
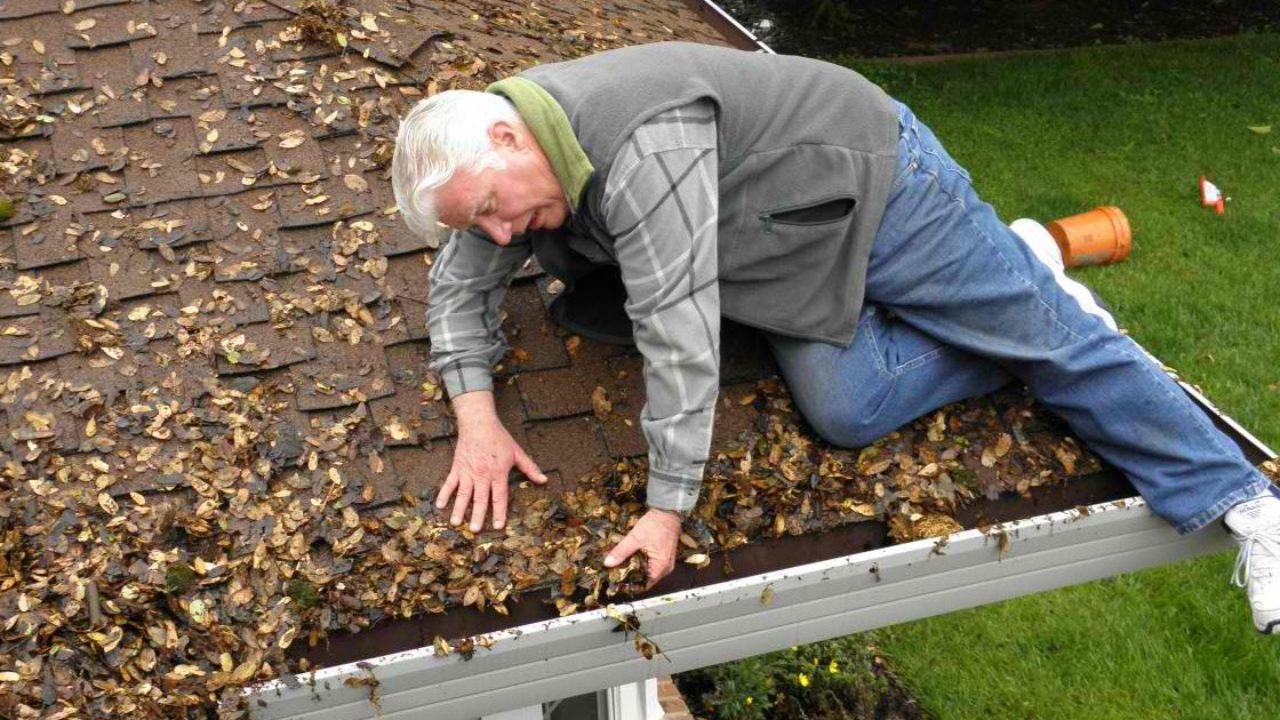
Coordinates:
[731,620]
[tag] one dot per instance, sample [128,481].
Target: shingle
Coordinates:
[82,145]
[624,389]
[30,338]
[111,73]
[422,469]
[226,173]
[166,170]
[114,25]
[402,321]
[174,53]
[148,318]
[406,277]
[342,374]
[536,342]
[264,348]
[14,9]
[243,216]
[300,155]
[117,259]
[39,38]
[320,203]
[573,446]
[552,394]
[232,303]
[238,130]
[46,242]
[185,97]
[413,414]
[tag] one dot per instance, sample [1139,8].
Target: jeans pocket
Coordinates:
[908,161]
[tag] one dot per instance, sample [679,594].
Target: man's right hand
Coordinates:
[485,455]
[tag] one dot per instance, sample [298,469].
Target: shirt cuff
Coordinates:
[461,379]
[672,492]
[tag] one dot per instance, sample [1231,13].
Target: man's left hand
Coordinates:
[656,535]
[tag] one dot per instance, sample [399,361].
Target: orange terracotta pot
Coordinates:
[1098,237]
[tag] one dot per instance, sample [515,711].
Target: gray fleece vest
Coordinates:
[807,152]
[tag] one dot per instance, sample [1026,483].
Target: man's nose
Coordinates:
[498,231]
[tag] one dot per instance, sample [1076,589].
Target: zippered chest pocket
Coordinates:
[822,212]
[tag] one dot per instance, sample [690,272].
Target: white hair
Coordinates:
[442,134]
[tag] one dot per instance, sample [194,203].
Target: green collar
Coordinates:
[550,125]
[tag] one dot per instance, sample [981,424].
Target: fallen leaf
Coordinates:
[355,183]
[292,139]
[1003,445]
[988,457]
[1260,129]
[600,403]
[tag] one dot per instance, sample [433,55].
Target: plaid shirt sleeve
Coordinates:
[468,280]
[661,206]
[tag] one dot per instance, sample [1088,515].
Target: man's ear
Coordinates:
[506,135]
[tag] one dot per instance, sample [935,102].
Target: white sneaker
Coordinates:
[1256,526]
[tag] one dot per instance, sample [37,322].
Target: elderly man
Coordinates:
[671,184]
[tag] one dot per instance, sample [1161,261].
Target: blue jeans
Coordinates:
[958,305]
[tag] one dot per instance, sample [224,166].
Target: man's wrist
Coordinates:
[474,409]
[678,515]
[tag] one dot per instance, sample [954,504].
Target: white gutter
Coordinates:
[748,616]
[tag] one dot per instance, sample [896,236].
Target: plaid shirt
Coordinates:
[660,205]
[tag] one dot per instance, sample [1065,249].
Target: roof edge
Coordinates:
[733,30]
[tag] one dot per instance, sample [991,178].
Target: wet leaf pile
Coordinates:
[152,603]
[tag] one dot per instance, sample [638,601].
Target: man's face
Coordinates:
[508,202]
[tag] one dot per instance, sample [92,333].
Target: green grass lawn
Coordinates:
[1054,134]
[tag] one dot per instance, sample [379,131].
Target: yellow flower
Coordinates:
[750,701]
[804,680]
[834,667]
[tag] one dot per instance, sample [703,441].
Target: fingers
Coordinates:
[479,503]
[499,492]
[529,467]
[450,484]
[622,551]
[460,503]
[659,568]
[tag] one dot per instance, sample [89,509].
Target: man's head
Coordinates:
[466,159]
